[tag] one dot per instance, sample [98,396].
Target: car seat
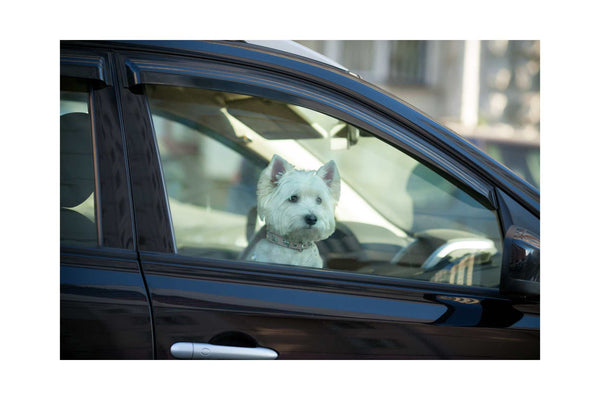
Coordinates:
[76,180]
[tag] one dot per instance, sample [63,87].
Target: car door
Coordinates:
[104,308]
[412,271]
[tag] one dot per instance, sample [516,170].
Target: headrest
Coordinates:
[76,160]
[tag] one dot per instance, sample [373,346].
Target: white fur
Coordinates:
[288,219]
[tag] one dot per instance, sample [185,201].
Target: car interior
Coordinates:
[429,230]
[77,181]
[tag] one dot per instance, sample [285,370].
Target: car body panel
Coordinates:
[105,309]
[104,306]
[305,314]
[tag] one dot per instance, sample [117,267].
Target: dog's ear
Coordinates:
[268,181]
[330,175]
[278,167]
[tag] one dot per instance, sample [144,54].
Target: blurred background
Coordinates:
[487,91]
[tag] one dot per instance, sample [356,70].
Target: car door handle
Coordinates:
[205,351]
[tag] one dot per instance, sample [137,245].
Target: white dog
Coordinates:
[298,209]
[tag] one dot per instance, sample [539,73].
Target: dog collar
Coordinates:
[278,240]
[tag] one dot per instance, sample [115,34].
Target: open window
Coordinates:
[396,216]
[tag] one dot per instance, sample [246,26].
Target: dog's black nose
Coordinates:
[310,219]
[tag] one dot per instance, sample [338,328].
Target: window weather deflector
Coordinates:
[141,70]
[91,68]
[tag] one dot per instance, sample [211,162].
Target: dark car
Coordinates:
[435,253]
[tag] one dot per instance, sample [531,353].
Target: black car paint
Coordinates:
[104,306]
[148,298]
[328,314]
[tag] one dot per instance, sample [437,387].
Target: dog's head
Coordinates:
[298,204]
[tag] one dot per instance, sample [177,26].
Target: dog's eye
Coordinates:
[293,198]
[319,200]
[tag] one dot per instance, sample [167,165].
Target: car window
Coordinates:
[77,185]
[391,214]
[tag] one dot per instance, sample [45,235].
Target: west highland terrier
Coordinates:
[298,209]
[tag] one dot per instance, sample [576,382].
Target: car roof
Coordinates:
[289,46]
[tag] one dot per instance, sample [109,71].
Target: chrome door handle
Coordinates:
[205,351]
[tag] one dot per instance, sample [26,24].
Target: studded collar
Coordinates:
[280,241]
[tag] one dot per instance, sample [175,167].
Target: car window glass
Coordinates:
[77,202]
[395,216]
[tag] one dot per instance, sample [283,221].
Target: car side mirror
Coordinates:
[521,263]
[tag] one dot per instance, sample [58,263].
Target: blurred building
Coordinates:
[487,91]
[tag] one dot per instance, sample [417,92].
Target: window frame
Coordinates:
[91,71]
[137,68]
[141,68]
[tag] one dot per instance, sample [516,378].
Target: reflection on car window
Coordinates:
[395,216]
[77,204]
